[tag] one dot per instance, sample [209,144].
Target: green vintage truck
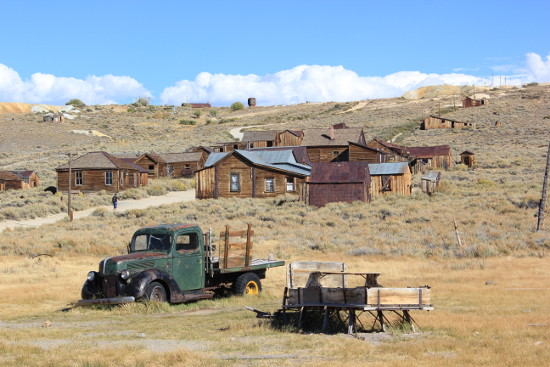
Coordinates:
[177,263]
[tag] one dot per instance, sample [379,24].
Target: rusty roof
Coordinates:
[9,176]
[321,136]
[339,172]
[428,152]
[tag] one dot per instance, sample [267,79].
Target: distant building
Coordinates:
[18,180]
[197,105]
[435,122]
[471,102]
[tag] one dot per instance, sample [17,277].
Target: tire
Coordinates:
[247,284]
[155,292]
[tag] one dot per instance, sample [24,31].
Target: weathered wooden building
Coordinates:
[54,117]
[435,122]
[471,102]
[337,182]
[289,138]
[388,178]
[258,139]
[18,180]
[422,158]
[332,144]
[363,153]
[96,171]
[171,164]
[392,152]
[467,158]
[250,174]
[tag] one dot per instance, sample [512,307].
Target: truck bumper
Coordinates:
[105,301]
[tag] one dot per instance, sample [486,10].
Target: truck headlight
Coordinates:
[125,274]
[91,276]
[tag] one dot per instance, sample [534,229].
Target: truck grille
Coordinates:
[108,284]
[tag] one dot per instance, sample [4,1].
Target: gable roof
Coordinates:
[393,168]
[97,160]
[339,172]
[9,176]
[181,157]
[321,136]
[299,152]
[277,159]
[266,135]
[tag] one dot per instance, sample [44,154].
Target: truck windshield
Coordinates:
[151,242]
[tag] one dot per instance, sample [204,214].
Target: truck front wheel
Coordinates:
[247,284]
[155,292]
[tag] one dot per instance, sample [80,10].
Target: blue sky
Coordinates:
[280,52]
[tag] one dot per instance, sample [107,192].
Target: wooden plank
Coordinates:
[299,273]
[242,233]
[398,296]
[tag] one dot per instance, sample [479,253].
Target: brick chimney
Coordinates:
[332,133]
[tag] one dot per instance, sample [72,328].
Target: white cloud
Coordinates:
[538,70]
[304,83]
[50,89]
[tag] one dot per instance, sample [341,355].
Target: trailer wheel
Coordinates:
[155,292]
[247,284]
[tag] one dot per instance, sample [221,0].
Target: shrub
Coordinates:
[141,102]
[156,190]
[197,114]
[76,103]
[213,113]
[188,122]
[237,106]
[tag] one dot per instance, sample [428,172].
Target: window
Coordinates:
[386,183]
[151,242]
[170,170]
[135,180]
[78,178]
[336,152]
[187,242]
[289,184]
[151,167]
[108,178]
[235,183]
[270,184]
[187,166]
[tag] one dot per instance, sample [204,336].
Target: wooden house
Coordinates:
[171,164]
[422,158]
[258,139]
[467,158]
[435,122]
[388,178]
[430,182]
[289,138]
[18,180]
[392,152]
[471,102]
[332,144]
[363,153]
[250,174]
[338,182]
[96,171]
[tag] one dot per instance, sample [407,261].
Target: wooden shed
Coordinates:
[250,174]
[430,182]
[96,171]
[423,158]
[289,138]
[392,152]
[467,158]
[18,180]
[363,153]
[332,144]
[471,102]
[436,122]
[338,182]
[390,178]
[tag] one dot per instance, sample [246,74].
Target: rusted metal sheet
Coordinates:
[339,181]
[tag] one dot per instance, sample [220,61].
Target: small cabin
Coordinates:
[389,178]
[471,102]
[331,182]
[18,180]
[467,158]
[332,144]
[430,182]
[435,122]
[258,139]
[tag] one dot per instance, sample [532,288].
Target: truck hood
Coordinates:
[136,256]
[112,265]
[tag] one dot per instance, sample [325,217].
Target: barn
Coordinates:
[338,182]
[250,174]
[388,178]
[96,171]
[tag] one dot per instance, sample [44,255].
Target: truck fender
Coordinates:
[139,282]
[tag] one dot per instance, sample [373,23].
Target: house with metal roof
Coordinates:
[393,177]
[338,182]
[332,144]
[250,174]
[96,171]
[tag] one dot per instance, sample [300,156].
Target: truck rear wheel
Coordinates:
[155,292]
[247,284]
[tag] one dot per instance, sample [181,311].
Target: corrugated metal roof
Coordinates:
[299,152]
[290,165]
[214,158]
[392,168]
[431,176]
[339,172]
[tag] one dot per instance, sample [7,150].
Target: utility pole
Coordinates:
[542,204]
[69,207]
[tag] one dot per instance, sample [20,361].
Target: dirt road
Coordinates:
[123,205]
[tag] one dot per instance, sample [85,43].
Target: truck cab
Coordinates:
[173,263]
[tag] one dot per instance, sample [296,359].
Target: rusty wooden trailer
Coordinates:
[327,296]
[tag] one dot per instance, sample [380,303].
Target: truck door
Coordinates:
[188,262]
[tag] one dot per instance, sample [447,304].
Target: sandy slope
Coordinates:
[123,205]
